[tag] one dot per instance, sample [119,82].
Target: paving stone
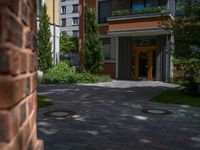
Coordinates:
[109,116]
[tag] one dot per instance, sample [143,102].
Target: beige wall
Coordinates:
[49,4]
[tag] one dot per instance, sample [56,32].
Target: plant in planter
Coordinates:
[124,12]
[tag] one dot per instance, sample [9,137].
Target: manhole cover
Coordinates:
[157,111]
[59,113]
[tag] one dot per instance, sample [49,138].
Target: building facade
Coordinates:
[135,44]
[54,15]
[69,19]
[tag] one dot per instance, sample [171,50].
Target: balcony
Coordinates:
[131,16]
[140,8]
[140,12]
[140,18]
[119,9]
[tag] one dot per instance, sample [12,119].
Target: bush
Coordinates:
[186,50]
[188,70]
[44,44]
[93,56]
[62,73]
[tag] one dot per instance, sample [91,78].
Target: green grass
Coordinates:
[175,96]
[43,101]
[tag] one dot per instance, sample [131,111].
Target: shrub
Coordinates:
[44,44]
[93,57]
[189,74]
[62,73]
[186,50]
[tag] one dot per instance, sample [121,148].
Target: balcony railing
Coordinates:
[149,10]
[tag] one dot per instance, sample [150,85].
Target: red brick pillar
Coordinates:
[18,75]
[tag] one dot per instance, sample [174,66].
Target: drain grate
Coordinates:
[59,113]
[157,111]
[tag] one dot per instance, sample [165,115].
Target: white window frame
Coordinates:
[73,21]
[62,12]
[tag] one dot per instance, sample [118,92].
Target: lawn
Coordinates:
[175,96]
[43,101]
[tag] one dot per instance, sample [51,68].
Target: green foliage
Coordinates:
[44,35]
[187,48]
[68,44]
[192,10]
[43,101]
[93,58]
[125,12]
[189,73]
[62,73]
[175,96]
[180,5]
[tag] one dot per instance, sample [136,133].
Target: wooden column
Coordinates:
[136,64]
[150,65]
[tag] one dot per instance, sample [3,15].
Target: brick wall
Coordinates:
[109,68]
[18,76]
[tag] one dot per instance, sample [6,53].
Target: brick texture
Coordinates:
[14,28]
[18,75]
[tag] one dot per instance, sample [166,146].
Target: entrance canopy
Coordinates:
[148,25]
[142,33]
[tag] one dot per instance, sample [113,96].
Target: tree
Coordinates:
[186,50]
[93,57]
[44,35]
[68,44]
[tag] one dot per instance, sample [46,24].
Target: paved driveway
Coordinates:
[110,116]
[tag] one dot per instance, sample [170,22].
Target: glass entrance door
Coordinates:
[154,64]
[143,64]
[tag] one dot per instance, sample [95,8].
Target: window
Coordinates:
[75,33]
[180,4]
[104,11]
[38,7]
[63,22]
[106,48]
[75,21]
[152,3]
[63,9]
[138,4]
[75,8]
[180,7]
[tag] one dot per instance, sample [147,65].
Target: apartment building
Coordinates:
[69,19]
[53,13]
[135,45]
